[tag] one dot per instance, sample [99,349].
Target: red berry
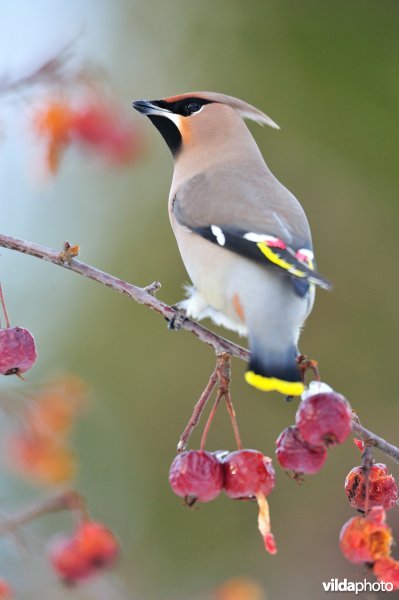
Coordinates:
[104,128]
[17,350]
[196,475]
[96,544]
[6,592]
[383,490]
[246,473]
[294,454]
[91,549]
[366,539]
[324,418]
[66,560]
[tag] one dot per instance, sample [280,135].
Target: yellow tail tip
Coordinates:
[269,384]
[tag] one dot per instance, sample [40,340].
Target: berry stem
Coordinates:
[198,410]
[232,413]
[3,304]
[208,424]
[367,463]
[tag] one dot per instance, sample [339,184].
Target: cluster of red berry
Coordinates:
[323,419]
[367,539]
[96,124]
[88,551]
[200,476]
[40,448]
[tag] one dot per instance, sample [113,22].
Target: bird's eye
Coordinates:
[193,107]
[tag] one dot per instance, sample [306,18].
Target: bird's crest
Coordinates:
[245,110]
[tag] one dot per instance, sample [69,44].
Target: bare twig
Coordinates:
[142,296]
[374,440]
[69,500]
[48,70]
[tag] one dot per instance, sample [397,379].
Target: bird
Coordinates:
[243,237]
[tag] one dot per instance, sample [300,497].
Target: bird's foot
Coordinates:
[177,320]
[306,364]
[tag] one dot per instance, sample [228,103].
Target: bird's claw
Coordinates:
[177,320]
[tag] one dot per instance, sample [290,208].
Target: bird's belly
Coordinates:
[207,265]
[249,295]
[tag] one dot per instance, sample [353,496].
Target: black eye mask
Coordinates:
[185,107]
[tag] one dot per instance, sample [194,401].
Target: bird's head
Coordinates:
[199,118]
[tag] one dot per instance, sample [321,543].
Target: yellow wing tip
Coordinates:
[269,384]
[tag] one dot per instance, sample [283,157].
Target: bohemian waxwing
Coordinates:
[243,237]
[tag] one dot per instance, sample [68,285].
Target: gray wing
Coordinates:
[252,215]
[256,202]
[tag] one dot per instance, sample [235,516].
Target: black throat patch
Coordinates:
[169,132]
[167,128]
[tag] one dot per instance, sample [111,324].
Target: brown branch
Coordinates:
[69,500]
[374,440]
[141,295]
[145,296]
[49,70]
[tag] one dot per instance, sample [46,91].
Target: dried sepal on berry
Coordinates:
[382,487]
[386,569]
[264,524]
[366,539]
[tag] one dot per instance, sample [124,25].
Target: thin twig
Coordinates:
[375,440]
[49,70]
[140,295]
[70,500]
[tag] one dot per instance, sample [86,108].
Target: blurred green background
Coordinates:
[327,72]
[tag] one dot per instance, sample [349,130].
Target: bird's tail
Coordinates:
[270,370]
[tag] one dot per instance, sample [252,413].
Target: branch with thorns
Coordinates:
[223,348]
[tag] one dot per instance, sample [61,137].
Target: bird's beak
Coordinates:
[147,107]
